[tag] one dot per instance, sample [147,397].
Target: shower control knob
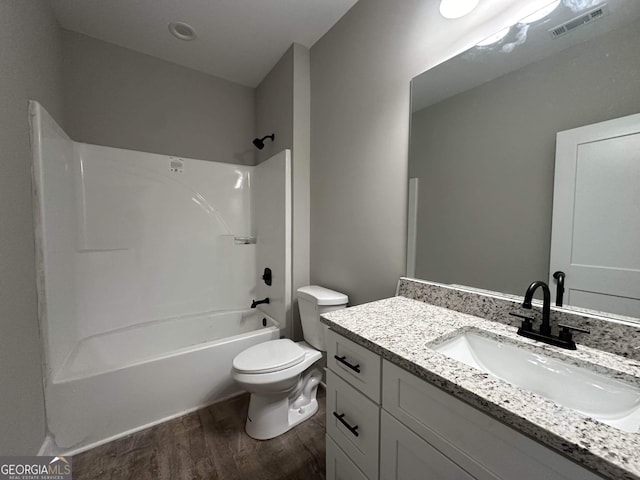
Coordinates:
[266,276]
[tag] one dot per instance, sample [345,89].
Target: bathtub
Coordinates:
[122,381]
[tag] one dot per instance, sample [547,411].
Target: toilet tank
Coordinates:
[313,301]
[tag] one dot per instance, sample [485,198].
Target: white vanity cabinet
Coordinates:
[409,429]
[353,410]
[404,455]
[432,431]
[339,466]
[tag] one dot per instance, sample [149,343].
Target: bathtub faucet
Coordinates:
[255,303]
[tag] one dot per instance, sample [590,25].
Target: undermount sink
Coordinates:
[598,396]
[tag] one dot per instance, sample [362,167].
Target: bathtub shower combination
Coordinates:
[147,268]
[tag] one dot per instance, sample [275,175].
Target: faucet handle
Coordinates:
[527,322]
[565,333]
[567,329]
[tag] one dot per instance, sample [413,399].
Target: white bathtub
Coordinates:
[122,381]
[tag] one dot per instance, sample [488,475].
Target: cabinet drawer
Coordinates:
[339,467]
[355,364]
[356,431]
[479,443]
[406,456]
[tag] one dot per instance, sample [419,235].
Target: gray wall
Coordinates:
[274,107]
[283,108]
[301,175]
[485,159]
[360,73]
[121,98]
[29,61]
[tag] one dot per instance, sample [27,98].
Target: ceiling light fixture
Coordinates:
[182,31]
[495,38]
[540,13]
[457,8]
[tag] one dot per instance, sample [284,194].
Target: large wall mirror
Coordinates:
[482,161]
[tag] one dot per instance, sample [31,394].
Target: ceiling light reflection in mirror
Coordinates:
[537,13]
[534,11]
[495,38]
[452,9]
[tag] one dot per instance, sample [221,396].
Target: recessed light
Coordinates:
[182,31]
[457,8]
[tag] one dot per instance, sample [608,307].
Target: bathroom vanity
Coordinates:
[397,408]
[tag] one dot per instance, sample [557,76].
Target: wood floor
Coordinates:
[210,444]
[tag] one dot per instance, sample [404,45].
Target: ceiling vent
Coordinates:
[582,19]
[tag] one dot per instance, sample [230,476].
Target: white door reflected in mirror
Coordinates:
[595,234]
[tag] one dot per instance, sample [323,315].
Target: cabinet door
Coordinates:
[339,467]
[406,456]
[357,429]
[478,442]
[355,364]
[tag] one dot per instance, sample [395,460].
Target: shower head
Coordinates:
[259,142]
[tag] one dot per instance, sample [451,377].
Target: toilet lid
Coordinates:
[268,357]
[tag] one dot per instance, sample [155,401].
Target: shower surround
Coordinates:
[147,268]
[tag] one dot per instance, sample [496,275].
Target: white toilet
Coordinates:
[282,393]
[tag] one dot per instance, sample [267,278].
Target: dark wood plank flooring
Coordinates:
[210,444]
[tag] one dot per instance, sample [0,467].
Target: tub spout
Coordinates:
[255,303]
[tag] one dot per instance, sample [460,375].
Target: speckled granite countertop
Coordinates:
[403,331]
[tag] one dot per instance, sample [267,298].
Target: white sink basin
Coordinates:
[608,400]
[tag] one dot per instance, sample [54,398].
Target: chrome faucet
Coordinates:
[255,303]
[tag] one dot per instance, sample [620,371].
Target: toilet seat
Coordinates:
[283,392]
[268,357]
[279,379]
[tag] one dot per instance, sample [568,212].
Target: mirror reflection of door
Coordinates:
[595,236]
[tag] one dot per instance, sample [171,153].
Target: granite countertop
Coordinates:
[404,331]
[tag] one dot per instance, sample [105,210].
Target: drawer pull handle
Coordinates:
[355,368]
[340,417]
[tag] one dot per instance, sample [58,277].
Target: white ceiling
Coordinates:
[238,40]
